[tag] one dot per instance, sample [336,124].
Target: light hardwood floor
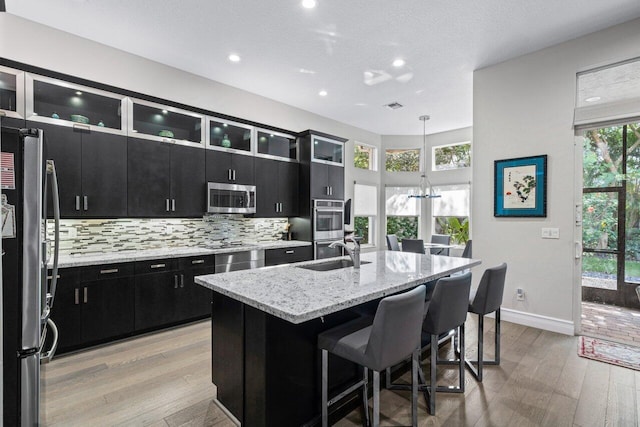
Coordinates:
[164,380]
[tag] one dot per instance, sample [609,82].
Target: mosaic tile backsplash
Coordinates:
[86,236]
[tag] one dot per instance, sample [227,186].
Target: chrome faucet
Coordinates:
[354,253]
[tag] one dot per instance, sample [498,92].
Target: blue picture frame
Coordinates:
[520,187]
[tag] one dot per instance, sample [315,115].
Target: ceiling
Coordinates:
[345,47]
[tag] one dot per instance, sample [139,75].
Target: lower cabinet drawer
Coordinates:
[288,255]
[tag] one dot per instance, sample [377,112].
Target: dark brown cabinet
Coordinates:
[232,168]
[277,188]
[91,168]
[165,180]
[288,255]
[93,304]
[327,181]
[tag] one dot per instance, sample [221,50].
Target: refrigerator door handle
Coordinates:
[55,196]
[45,357]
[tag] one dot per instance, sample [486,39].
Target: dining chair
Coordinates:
[392,242]
[441,239]
[413,245]
[467,250]
[393,337]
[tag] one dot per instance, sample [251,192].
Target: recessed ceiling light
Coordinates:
[78,93]
[398,63]
[165,112]
[234,57]
[309,4]
[322,93]
[593,99]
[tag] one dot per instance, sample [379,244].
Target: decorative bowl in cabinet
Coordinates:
[166,133]
[79,119]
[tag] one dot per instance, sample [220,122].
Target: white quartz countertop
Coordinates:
[67,261]
[298,295]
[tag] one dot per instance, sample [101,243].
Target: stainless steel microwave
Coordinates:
[231,198]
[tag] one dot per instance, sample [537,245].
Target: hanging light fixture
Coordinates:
[426,190]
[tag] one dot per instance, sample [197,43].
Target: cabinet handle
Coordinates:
[167,204]
[173,205]
[276,207]
[289,251]
[158,265]
[197,261]
[112,270]
[86,202]
[330,191]
[175,281]
[281,207]
[81,126]
[86,295]
[77,203]
[234,174]
[229,174]
[182,280]
[77,296]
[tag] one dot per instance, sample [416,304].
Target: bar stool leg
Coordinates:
[376,398]
[497,338]
[433,385]
[477,373]
[365,397]
[414,386]
[325,388]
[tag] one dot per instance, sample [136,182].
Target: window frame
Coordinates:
[433,156]
[373,158]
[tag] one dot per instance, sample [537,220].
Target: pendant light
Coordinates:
[426,190]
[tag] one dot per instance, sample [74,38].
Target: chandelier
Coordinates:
[426,190]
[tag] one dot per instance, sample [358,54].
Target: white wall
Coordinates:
[455,176]
[524,107]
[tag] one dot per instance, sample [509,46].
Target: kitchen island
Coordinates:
[265,323]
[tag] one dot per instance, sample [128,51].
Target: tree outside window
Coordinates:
[454,156]
[365,157]
[402,160]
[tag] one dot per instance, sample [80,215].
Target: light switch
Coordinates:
[550,233]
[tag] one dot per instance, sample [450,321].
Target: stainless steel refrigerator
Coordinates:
[28,295]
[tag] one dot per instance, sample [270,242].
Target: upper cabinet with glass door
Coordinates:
[230,136]
[65,104]
[276,145]
[11,93]
[327,151]
[159,122]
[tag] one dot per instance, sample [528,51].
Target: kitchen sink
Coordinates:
[331,265]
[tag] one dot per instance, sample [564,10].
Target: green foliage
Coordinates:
[362,157]
[361,228]
[453,157]
[403,226]
[402,160]
[456,227]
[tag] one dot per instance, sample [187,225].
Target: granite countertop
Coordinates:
[298,295]
[67,261]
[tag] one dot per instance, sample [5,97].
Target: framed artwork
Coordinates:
[520,187]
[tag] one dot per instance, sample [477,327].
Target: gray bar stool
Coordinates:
[392,338]
[445,312]
[484,300]
[442,239]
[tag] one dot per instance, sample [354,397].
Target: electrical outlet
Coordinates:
[520,294]
[550,233]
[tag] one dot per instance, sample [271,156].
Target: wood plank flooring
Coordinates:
[164,380]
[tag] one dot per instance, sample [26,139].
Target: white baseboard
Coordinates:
[537,321]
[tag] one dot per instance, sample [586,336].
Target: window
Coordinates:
[451,212]
[403,212]
[365,210]
[451,156]
[366,157]
[402,160]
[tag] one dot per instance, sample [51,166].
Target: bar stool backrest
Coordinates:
[488,297]
[467,250]
[395,332]
[448,305]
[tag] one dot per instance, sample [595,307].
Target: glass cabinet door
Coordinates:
[327,151]
[164,123]
[225,134]
[11,93]
[62,103]
[277,145]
